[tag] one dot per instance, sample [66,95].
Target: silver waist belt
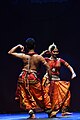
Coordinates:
[54,77]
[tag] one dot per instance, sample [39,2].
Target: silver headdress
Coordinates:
[49,48]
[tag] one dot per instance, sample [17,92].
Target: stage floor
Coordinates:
[39,116]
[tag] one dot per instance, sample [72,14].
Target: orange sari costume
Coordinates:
[58,90]
[29,92]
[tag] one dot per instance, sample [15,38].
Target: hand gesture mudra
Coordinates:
[21,47]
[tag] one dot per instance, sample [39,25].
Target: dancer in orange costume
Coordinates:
[29,90]
[57,89]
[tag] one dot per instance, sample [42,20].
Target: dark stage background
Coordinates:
[47,21]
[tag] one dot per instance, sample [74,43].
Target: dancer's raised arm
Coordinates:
[14,53]
[45,52]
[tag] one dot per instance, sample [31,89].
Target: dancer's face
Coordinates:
[55,51]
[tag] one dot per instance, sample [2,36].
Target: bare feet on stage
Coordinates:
[53,114]
[32,116]
[66,113]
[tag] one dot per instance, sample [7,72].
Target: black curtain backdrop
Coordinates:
[47,22]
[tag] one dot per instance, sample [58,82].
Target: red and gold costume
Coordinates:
[58,90]
[29,92]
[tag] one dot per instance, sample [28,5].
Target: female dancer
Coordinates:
[57,89]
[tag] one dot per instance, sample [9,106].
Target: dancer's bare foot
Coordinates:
[66,113]
[53,114]
[32,116]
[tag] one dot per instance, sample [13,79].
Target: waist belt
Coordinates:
[55,77]
[29,71]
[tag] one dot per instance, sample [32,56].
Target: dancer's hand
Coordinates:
[21,47]
[73,75]
[46,51]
